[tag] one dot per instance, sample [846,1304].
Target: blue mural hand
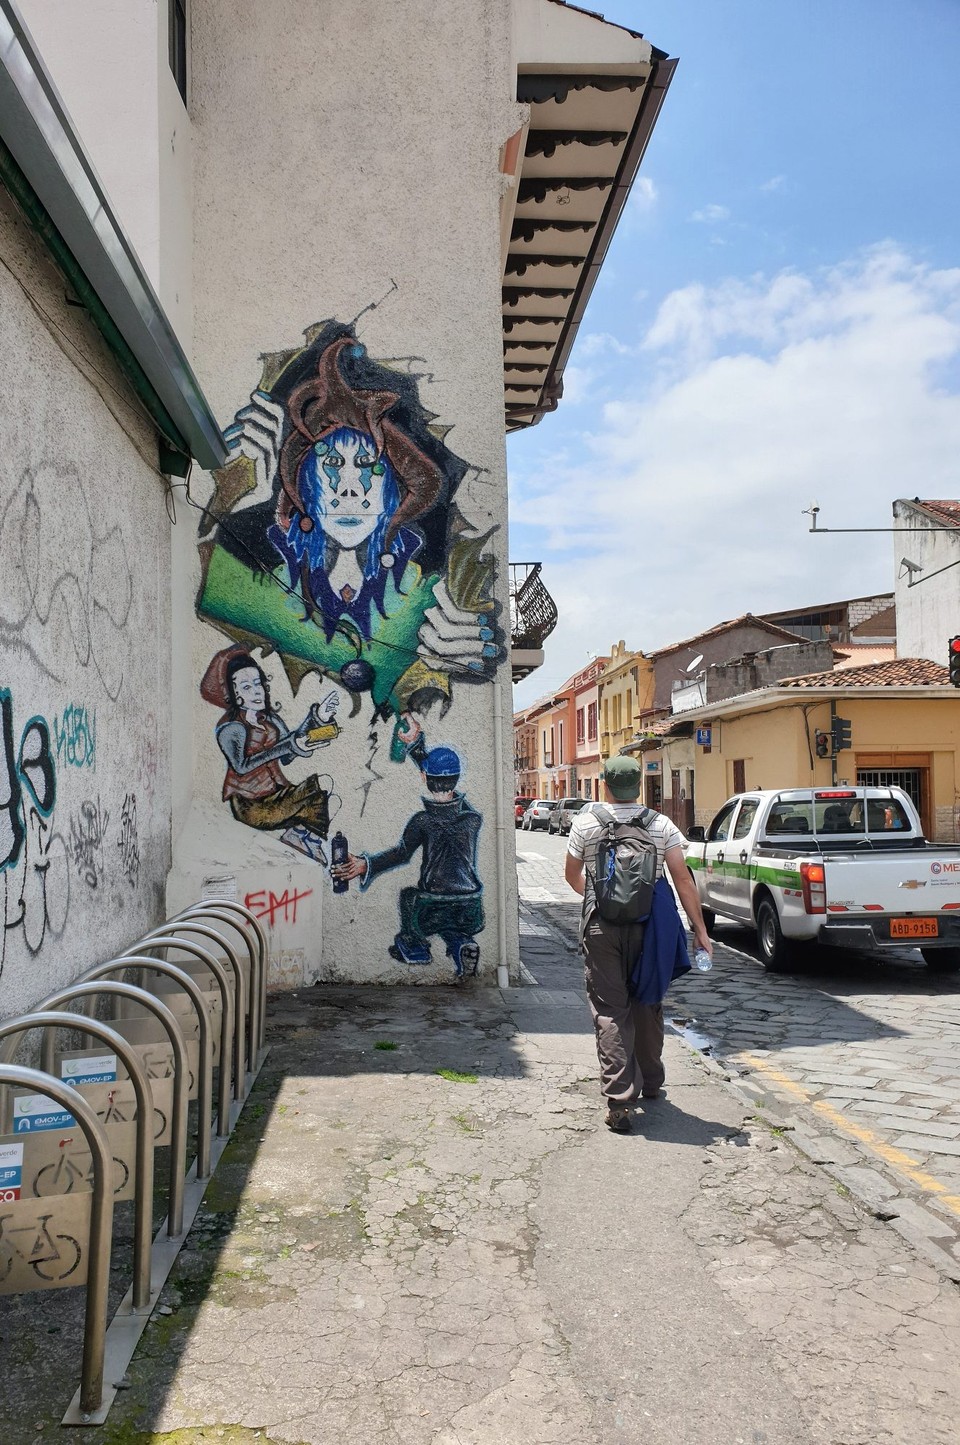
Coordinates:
[255,433]
[453,639]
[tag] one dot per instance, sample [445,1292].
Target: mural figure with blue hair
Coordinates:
[338,542]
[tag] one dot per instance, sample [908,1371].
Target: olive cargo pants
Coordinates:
[629,1034]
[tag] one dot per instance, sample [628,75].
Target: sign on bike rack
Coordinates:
[85,1067]
[34,1256]
[44,1243]
[57,1161]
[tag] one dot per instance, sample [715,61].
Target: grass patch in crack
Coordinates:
[387,1045]
[454,1077]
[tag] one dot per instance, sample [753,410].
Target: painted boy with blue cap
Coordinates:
[448,898]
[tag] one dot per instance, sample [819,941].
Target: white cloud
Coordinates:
[775,183]
[643,193]
[709,215]
[683,506]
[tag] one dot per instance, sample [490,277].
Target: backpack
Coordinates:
[626,867]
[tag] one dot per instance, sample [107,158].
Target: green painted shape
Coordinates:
[236,596]
[758,872]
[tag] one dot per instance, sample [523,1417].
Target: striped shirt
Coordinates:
[587,829]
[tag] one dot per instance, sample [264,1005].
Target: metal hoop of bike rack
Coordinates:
[251,921]
[140,963]
[88,987]
[143,1185]
[229,1022]
[168,934]
[101,1222]
[212,916]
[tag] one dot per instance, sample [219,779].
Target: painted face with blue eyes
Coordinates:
[352,481]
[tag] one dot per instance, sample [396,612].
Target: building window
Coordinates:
[581,723]
[591,722]
[560,740]
[178,44]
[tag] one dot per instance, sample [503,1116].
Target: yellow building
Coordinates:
[904,729]
[626,690]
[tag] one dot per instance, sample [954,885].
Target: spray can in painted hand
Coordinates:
[338,854]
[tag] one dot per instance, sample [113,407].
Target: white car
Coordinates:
[537,814]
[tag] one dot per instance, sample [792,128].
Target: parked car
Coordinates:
[537,814]
[843,866]
[562,814]
[520,806]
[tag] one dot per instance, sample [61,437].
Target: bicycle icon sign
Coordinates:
[41,1248]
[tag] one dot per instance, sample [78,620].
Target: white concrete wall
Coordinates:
[84,620]
[346,166]
[928,614]
[109,62]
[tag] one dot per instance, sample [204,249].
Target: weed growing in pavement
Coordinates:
[453,1077]
[385,1045]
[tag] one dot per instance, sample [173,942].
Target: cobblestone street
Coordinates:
[857,1054]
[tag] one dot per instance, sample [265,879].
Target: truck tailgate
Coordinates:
[917,881]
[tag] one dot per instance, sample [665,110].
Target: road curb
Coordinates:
[880,1192]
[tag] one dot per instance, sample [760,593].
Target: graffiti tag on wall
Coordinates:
[88,829]
[128,843]
[269,906]
[34,867]
[75,731]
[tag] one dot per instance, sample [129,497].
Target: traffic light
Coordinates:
[823,744]
[954,663]
[842,737]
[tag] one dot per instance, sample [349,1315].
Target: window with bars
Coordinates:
[591,722]
[581,725]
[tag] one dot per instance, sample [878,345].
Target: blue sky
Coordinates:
[778,319]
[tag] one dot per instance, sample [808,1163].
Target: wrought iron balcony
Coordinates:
[533,616]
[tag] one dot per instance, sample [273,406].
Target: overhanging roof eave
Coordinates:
[40,137]
[654,93]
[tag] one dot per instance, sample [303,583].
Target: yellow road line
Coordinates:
[888,1152]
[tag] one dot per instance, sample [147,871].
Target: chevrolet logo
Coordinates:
[913,883]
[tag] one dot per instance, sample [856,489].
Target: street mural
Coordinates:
[448,898]
[255,740]
[334,542]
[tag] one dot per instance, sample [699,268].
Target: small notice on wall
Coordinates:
[219,888]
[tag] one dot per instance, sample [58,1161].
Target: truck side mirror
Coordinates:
[695,835]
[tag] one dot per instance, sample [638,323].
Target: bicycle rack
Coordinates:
[90,988]
[214,906]
[143,1185]
[135,962]
[107,1351]
[101,1224]
[168,934]
[227,1022]
[211,916]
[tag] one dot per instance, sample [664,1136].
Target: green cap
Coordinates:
[622,777]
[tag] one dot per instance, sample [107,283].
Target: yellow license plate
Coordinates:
[914,928]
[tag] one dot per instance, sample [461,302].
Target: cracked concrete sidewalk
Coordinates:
[422,1234]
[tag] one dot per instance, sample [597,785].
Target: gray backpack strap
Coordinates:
[604,814]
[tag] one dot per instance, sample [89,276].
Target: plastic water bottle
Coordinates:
[702,961]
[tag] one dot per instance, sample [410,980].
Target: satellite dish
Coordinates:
[695,663]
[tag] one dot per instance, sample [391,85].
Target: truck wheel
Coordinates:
[942,960]
[776,954]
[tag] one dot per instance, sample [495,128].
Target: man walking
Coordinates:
[629,1033]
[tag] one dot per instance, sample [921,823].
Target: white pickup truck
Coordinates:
[843,866]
